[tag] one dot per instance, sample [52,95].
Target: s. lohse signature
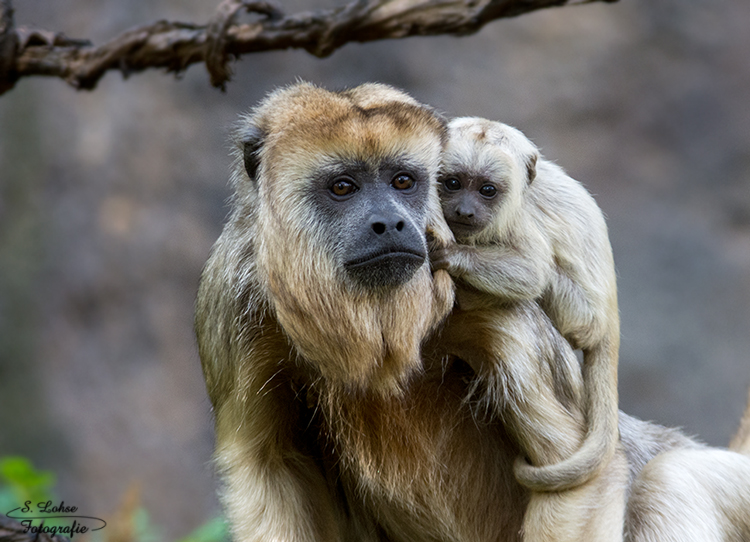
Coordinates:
[28,514]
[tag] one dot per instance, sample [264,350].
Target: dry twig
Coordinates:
[174,46]
[12,531]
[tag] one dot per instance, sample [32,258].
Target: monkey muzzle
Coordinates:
[386,268]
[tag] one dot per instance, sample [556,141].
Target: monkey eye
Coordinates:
[342,186]
[402,181]
[452,184]
[488,191]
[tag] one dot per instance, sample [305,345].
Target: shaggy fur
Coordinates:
[542,238]
[334,425]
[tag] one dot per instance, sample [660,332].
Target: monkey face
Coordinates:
[363,214]
[350,174]
[380,208]
[486,167]
[470,202]
[335,194]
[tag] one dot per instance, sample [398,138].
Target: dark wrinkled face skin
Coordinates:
[469,202]
[377,214]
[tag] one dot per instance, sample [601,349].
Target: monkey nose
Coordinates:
[464,213]
[381,224]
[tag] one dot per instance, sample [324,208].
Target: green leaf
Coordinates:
[24,483]
[214,530]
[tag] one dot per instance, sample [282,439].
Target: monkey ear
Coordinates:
[531,167]
[251,139]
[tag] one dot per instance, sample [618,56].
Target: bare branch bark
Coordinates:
[174,46]
[8,46]
[13,531]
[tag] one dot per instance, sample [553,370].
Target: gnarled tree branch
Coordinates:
[174,46]
[13,531]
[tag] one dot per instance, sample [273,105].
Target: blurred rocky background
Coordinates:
[110,201]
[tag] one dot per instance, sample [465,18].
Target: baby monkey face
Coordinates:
[469,201]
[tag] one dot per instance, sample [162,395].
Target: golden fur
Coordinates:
[332,425]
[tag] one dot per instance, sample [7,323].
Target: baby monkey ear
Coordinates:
[531,167]
[251,138]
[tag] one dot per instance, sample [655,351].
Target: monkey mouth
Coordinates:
[462,228]
[385,268]
[385,256]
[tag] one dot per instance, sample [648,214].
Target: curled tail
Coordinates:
[741,441]
[602,436]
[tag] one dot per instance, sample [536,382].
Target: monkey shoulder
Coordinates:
[567,212]
[554,190]
[232,310]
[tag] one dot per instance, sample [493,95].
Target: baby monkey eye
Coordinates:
[342,187]
[452,184]
[402,181]
[488,191]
